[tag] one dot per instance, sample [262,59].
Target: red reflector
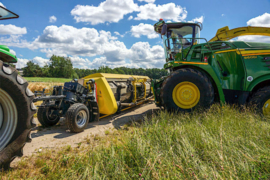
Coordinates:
[205,59]
[96,92]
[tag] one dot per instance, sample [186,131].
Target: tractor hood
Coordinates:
[6,56]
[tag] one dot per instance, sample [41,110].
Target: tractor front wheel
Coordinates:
[16,114]
[186,89]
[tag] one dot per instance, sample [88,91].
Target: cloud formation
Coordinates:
[114,11]
[107,11]
[52,19]
[145,30]
[11,29]
[168,11]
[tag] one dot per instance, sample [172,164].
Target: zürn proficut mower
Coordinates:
[84,100]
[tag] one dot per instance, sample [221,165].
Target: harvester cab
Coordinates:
[201,73]
[178,38]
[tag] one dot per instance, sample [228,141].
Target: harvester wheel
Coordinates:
[46,118]
[16,114]
[261,101]
[77,117]
[186,89]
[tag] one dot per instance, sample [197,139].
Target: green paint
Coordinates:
[228,68]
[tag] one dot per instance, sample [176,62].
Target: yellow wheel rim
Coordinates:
[186,95]
[266,108]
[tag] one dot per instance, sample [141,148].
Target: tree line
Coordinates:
[62,67]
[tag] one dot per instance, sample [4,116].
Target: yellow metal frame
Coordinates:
[106,100]
[134,83]
[224,34]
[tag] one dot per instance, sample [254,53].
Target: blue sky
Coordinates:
[116,32]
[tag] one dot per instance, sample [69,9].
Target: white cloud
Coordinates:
[144,29]
[118,34]
[40,61]
[148,1]
[12,52]
[263,20]
[21,63]
[52,19]
[255,38]
[168,11]
[11,29]
[198,19]
[106,11]
[68,40]
[143,55]
[1,4]
[130,17]
[82,43]
[222,15]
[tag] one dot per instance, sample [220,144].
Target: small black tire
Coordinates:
[258,100]
[16,121]
[77,117]
[44,118]
[197,81]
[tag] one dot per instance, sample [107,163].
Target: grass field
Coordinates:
[222,143]
[45,79]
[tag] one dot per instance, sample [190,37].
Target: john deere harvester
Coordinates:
[203,72]
[16,107]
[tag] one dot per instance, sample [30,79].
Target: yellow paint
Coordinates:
[244,52]
[106,100]
[191,63]
[266,108]
[224,34]
[250,57]
[186,95]
[231,50]
[255,52]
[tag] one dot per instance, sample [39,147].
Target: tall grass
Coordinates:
[221,143]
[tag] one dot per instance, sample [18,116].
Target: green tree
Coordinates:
[60,67]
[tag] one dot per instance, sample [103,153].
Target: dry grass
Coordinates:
[39,86]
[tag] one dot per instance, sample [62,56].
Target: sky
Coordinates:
[116,33]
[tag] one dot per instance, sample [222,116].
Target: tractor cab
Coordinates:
[178,37]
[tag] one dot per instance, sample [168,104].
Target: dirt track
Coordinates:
[58,136]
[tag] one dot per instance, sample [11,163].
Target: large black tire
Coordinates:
[16,114]
[44,118]
[194,77]
[77,117]
[258,100]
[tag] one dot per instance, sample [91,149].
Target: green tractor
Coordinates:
[16,107]
[201,72]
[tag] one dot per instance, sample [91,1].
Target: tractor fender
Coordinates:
[257,81]
[208,70]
